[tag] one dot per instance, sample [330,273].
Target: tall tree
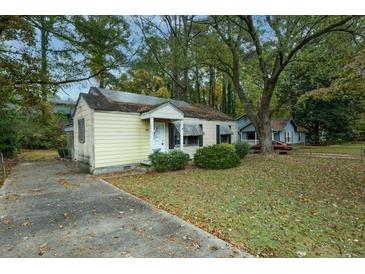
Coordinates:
[103,40]
[173,54]
[271,43]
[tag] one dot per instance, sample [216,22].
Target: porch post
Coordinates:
[151,133]
[255,137]
[181,135]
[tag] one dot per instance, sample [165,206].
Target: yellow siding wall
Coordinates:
[120,138]
[84,151]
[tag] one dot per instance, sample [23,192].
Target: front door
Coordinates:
[159,137]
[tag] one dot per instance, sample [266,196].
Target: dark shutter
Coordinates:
[201,136]
[171,136]
[81,129]
[229,137]
[218,134]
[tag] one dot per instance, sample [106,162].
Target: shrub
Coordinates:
[170,161]
[63,152]
[220,156]
[9,132]
[242,149]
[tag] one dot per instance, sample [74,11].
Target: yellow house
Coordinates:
[116,130]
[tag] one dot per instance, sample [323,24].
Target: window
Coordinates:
[225,138]
[299,136]
[191,140]
[288,137]
[81,128]
[188,140]
[250,135]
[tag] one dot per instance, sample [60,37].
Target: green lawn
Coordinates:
[275,206]
[353,149]
[37,155]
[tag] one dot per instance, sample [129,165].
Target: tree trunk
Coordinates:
[211,87]
[230,99]
[175,86]
[186,85]
[224,106]
[264,132]
[197,85]
[44,64]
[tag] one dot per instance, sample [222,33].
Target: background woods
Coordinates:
[309,67]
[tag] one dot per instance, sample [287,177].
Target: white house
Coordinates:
[116,130]
[284,130]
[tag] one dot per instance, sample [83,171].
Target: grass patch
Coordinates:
[352,149]
[37,155]
[275,206]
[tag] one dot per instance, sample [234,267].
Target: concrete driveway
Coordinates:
[54,209]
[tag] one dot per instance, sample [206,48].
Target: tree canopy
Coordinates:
[263,66]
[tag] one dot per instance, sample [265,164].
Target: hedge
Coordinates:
[219,156]
[174,160]
[242,149]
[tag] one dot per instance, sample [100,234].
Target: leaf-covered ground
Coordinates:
[352,149]
[276,206]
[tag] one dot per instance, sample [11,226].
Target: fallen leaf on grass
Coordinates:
[301,254]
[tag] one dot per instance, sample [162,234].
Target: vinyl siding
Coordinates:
[84,151]
[120,138]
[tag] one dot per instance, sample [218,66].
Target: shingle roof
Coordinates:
[109,100]
[279,123]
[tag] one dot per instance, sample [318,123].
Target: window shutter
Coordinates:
[201,136]
[229,137]
[171,136]
[81,129]
[218,134]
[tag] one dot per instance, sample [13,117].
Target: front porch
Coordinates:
[160,119]
[168,131]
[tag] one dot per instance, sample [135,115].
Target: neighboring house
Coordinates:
[284,130]
[62,106]
[116,130]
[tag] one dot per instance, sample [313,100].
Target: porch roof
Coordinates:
[164,111]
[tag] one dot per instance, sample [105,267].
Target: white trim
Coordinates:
[182,135]
[152,113]
[152,128]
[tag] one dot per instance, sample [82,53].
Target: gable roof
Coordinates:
[277,124]
[176,114]
[280,123]
[110,100]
